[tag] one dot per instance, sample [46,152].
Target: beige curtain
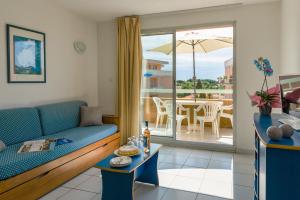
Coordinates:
[129,75]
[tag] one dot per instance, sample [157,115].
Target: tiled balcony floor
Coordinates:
[226,134]
[184,174]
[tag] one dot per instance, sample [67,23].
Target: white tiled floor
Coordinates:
[184,174]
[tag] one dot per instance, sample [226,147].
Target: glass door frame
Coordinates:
[154,32]
[172,140]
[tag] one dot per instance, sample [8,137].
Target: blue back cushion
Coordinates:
[60,116]
[19,125]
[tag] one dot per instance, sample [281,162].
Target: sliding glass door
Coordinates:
[157,85]
[188,84]
[204,85]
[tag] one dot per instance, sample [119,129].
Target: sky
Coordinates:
[25,53]
[208,65]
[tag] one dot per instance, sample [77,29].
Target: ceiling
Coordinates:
[105,10]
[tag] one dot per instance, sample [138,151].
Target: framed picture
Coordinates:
[26,62]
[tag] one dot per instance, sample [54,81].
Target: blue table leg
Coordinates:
[147,173]
[117,186]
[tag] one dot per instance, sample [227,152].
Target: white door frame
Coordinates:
[172,141]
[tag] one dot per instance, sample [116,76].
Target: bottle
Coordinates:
[146,137]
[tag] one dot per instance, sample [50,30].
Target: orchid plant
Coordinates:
[267,97]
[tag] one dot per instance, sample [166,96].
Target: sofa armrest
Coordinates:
[111,119]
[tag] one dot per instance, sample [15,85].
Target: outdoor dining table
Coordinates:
[196,103]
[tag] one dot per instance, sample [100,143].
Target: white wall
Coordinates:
[107,37]
[69,75]
[257,34]
[290,37]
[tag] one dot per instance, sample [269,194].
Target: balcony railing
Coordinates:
[150,112]
[182,91]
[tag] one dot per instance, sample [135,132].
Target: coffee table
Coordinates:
[118,183]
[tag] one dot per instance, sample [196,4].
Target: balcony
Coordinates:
[195,133]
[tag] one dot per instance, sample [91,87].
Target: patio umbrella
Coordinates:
[195,45]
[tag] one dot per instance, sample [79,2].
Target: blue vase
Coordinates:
[265,110]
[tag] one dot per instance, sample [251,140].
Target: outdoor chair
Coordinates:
[181,116]
[169,111]
[210,110]
[226,115]
[160,109]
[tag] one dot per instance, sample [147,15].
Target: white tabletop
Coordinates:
[193,103]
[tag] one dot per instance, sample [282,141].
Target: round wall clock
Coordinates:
[79,47]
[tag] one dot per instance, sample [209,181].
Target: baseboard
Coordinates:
[245,151]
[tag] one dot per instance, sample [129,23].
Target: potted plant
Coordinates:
[266,98]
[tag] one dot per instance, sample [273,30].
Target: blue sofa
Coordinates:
[60,120]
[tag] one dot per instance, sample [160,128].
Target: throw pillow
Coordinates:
[2,146]
[90,116]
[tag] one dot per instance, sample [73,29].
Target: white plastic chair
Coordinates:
[181,116]
[160,109]
[183,113]
[226,115]
[211,110]
[169,111]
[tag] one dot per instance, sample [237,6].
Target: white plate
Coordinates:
[116,153]
[120,161]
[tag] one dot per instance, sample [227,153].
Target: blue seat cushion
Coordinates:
[13,163]
[60,116]
[19,124]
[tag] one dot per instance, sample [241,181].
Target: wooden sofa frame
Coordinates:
[37,182]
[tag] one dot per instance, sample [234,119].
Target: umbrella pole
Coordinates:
[194,70]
